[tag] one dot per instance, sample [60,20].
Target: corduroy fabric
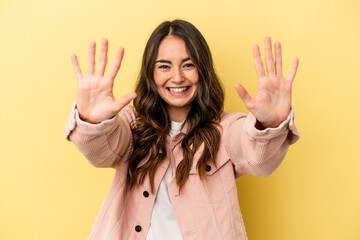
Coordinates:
[206,209]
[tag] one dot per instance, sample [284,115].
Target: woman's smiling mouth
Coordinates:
[178,90]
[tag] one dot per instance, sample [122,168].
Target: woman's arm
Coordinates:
[103,144]
[258,152]
[258,143]
[99,125]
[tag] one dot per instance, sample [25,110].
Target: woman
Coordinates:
[176,153]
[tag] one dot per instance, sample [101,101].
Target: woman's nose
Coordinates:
[177,75]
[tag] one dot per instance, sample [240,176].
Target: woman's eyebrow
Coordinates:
[163,61]
[169,62]
[185,59]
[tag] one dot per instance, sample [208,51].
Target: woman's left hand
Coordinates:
[272,102]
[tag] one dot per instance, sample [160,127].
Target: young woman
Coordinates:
[176,153]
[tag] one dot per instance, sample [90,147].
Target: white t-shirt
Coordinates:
[163,224]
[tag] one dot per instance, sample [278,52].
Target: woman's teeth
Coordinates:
[178,90]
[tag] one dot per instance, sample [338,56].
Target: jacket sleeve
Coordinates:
[258,152]
[103,144]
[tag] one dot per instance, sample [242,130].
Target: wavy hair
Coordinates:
[152,123]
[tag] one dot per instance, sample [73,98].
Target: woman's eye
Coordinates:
[189,65]
[164,66]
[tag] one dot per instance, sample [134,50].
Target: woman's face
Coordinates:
[176,77]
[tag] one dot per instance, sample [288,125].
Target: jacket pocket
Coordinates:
[220,178]
[221,159]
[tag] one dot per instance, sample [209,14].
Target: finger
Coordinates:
[259,67]
[293,70]
[116,64]
[91,58]
[278,59]
[76,67]
[103,57]
[245,97]
[269,59]
[125,100]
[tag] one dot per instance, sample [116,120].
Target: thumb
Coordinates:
[243,94]
[125,100]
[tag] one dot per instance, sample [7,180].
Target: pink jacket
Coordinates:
[204,209]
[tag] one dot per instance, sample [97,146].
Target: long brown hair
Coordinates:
[152,119]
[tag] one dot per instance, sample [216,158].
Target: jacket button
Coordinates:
[208,168]
[138,228]
[146,194]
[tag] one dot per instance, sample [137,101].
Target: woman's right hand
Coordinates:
[95,98]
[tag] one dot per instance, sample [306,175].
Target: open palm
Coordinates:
[95,98]
[272,101]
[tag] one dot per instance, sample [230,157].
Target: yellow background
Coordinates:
[49,191]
